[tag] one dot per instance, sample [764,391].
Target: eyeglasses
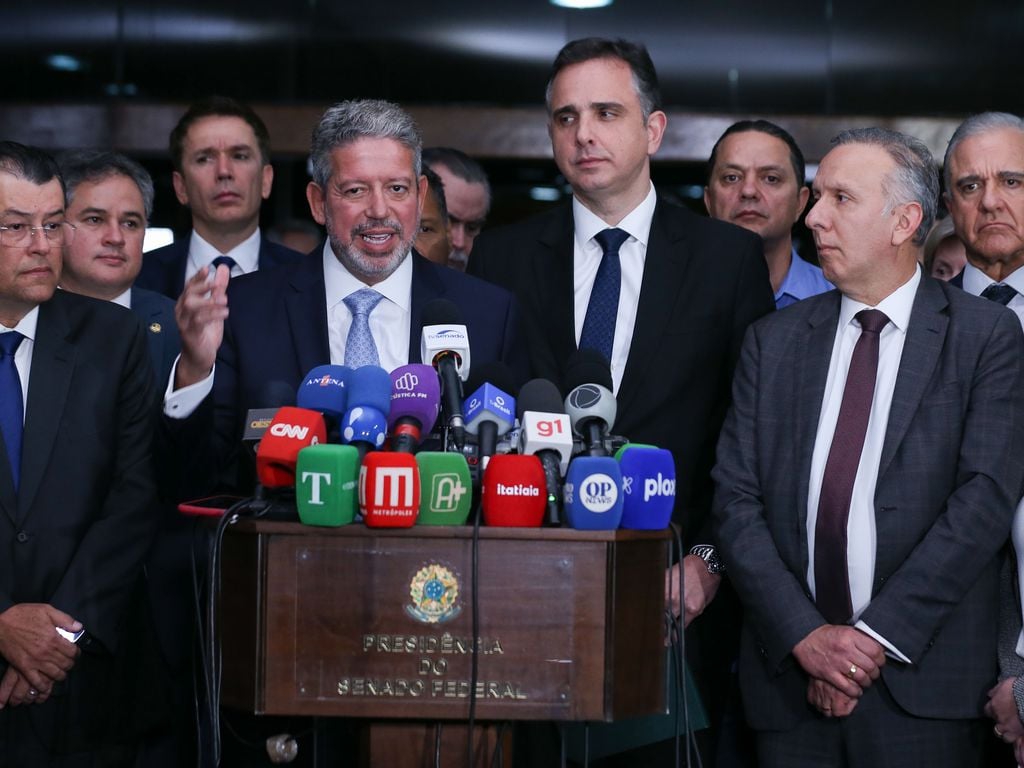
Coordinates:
[18,235]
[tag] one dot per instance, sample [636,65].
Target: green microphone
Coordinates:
[326,484]
[446,490]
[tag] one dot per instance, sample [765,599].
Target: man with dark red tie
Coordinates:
[867,476]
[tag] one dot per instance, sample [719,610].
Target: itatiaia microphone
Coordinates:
[514,492]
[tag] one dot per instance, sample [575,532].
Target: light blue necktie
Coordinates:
[599,324]
[360,348]
[11,410]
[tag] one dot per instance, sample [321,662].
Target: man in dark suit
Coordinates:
[109,201]
[76,484]
[367,191]
[689,287]
[220,150]
[866,478]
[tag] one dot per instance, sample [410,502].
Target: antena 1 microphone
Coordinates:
[590,403]
[324,389]
[415,403]
[445,345]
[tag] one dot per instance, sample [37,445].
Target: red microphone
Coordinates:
[291,430]
[514,491]
[389,490]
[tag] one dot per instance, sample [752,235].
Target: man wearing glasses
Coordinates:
[76,482]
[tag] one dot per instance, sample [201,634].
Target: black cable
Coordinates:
[474,602]
[438,728]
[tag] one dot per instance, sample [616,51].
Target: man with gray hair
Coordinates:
[984,171]
[359,301]
[867,475]
[467,194]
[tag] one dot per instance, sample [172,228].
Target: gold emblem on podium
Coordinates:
[435,592]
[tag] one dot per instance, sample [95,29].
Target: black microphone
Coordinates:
[445,345]
[590,403]
[275,394]
[546,432]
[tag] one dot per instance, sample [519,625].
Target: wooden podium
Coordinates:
[377,623]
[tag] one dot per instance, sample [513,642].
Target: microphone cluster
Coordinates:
[403,448]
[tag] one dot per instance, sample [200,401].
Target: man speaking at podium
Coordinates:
[77,411]
[357,300]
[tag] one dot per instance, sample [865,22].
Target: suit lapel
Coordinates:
[554,296]
[926,334]
[811,374]
[306,307]
[53,361]
[665,266]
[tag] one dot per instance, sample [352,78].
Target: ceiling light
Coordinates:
[63,62]
[581,5]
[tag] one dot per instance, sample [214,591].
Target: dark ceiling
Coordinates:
[817,57]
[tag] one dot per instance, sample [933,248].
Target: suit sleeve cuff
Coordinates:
[890,650]
[182,403]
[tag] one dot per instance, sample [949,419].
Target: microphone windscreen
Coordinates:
[326,478]
[648,487]
[441,312]
[490,404]
[539,395]
[593,493]
[291,430]
[370,386]
[446,489]
[364,425]
[416,394]
[514,492]
[324,389]
[587,366]
[389,490]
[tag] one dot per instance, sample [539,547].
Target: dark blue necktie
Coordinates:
[599,325]
[11,411]
[225,260]
[999,292]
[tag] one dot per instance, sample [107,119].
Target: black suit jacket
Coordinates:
[951,473]
[163,269]
[156,313]
[704,282]
[277,331]
[76,533]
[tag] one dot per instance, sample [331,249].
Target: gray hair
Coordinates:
[915,178]
[350,121]
[973,126]
[89,165]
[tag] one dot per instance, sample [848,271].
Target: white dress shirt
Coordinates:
[587,254]
[246,255]
[861,533]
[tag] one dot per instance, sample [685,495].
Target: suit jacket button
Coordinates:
[22,537]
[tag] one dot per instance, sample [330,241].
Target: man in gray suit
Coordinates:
[867,475]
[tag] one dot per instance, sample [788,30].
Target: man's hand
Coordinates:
[843,656]
[30,643]
[200,312]
[1002,708]
[828,699]
[15,690]
[699,588]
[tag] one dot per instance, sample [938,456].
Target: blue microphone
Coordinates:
[648,487]
[325,389]
[593,493]
[365,424]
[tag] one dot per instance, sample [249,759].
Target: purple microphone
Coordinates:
[415,403]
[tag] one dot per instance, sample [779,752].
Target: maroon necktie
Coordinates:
[831,575]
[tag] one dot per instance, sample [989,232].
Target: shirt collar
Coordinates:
[125,299]
[246,254]
[637,222]
[976,281]
[27,325]
[896,306]
[800,280]
[339,282]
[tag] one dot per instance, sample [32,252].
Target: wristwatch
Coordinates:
[709,555]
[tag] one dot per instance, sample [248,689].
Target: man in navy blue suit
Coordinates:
[220,150]
[367,191]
